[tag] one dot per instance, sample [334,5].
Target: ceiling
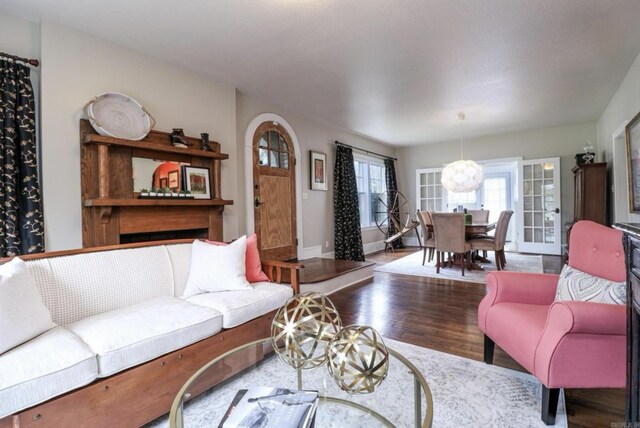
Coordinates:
[397,71]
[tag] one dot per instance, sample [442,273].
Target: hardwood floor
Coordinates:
[442,315]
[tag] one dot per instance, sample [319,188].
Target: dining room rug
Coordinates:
[412,265]
[466,393]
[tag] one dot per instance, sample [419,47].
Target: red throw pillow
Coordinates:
[253,265]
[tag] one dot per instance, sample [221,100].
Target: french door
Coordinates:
[539,221]
[430,194]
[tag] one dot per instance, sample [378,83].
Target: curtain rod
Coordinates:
[33,62]
[365,151]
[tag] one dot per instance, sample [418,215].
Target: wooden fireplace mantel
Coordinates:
[111,210]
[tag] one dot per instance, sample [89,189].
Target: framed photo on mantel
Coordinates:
[318,169]
[633,163]
[196,180]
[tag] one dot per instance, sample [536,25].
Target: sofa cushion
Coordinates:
[129,336]
[517,328]
[180,256]
[577,285]
[82,285]
[48,365]
[23,315]
[238,307]
[217,268]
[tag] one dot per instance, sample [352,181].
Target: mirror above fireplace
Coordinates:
[155,174]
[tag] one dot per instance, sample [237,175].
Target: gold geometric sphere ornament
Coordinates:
[357,359]
[302,328]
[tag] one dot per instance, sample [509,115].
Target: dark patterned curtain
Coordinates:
[21,224]
[392,201]
[345,205]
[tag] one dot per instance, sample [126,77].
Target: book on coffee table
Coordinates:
[267,407]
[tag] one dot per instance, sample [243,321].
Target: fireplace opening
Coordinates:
[131,238]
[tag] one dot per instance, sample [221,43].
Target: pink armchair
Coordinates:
[563,344]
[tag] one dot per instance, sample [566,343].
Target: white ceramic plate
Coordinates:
[117,115]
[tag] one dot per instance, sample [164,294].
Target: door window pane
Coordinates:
[284,160]
[263,140]
[264,157]
[273,140]
[275,162]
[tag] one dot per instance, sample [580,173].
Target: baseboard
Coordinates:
[411,241]
[316,251]
[373,247]
[357,277]
[311,252]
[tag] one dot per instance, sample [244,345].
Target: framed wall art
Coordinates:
[174,182]
[196,180]
[318,169]
[633,163]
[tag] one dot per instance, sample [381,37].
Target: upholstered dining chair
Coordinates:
[424,218]
[449,229]
[495,243]
[479,216]
[565,344]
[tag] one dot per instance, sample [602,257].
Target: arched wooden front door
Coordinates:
[274,192]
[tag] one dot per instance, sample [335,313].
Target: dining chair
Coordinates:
[479,216]
[449,230]
[495,243]
[424,218]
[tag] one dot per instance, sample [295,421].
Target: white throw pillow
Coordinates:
[23,315]
[217,268]
[577,285]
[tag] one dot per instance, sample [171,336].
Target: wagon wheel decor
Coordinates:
[393,216]
[391,208]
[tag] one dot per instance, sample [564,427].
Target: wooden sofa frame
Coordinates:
[143,393]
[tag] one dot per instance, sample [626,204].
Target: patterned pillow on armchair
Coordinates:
[577,285]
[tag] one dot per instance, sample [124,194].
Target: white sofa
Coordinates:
[115,310]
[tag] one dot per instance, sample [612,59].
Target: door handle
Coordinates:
[557,210]
[257,203]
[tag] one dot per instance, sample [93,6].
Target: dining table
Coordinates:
[471,230]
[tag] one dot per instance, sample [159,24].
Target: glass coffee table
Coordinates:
[402,400]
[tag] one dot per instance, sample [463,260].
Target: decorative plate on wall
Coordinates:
[117,115]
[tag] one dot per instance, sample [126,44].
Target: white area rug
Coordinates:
[412,265]
[466,393]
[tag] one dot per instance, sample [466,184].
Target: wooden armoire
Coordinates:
[590,192]
[589,196]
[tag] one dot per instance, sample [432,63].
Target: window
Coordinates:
[496,198]
[371,184]
[466,199]
[274,151]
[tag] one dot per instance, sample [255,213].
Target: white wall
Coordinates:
[562,141]
[317,209]
[76,67]
[624,105]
